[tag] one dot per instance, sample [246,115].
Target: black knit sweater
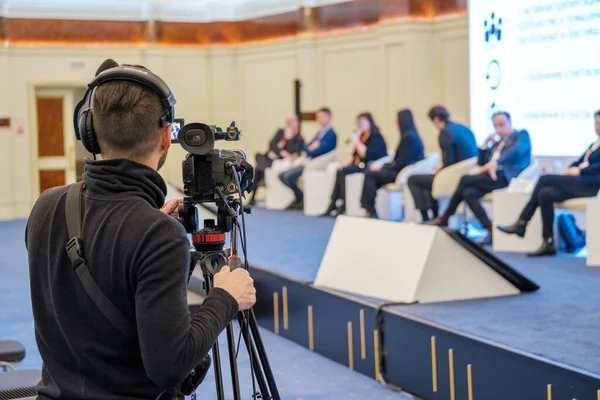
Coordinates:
[140,259]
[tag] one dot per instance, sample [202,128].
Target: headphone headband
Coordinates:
[83,115]
[141,76]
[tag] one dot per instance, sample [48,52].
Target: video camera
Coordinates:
[209,175]
[215,176]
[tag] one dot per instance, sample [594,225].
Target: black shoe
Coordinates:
[329,211]
[439,221]
[372,214]
[547,249]
[296,205]
[518,228]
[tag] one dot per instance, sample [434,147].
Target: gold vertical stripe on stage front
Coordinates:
[350,347]
[284,299]
[276,313]
[549,392]
[363,339]
[451,370]
[376,351]
[470,381]
[434,365]
[311,342]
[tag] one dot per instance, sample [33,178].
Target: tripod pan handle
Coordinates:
[234,262]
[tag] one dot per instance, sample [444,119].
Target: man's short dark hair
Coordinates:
[126,118]
[597,113]
[440,113]
[325,110]
[505,113]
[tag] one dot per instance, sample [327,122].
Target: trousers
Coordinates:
[339,188]
[262,162]
[420,187]
[290,179]
[472,188]
[551,189]
[373,181]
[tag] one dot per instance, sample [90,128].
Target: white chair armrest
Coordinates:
[333,166]
[381,161]
[281,165]
[322,162]
[531,172]
[446,180]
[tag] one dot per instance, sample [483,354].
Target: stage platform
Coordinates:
[500,348]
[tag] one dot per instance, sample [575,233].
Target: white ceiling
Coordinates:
[164,10]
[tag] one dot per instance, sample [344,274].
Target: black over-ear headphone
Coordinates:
[83,118]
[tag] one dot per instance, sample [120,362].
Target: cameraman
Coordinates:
[138,255]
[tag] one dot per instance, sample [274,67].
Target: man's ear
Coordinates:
[165,137]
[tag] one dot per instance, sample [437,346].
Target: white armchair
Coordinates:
[354,185]
[447,179]
[593,231]
[318,179]
[278,196]
[389,199]
[396,203]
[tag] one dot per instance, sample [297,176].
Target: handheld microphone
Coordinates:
[355,132]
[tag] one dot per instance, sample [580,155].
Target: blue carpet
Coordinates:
[559,322]
[300,374]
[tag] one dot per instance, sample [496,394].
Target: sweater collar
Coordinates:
[122,179]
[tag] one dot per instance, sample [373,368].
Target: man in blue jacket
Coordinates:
[503,156]
[324,142]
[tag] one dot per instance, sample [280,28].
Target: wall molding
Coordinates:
[202,24]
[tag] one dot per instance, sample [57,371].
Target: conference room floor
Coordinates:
[558,322]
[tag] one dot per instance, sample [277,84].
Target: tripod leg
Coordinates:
[262,354]
[233,362]
[218,373]
[254,361]
[215,350]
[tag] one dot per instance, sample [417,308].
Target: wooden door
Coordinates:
[55,141]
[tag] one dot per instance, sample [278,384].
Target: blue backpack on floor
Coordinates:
[572,239]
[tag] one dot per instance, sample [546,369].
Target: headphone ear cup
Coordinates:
[86,130]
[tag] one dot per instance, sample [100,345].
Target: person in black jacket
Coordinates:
[409,151]
[457,143]
[369,145]
[582,179]
[286,143]
[138,255]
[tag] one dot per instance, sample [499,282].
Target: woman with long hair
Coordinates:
[369,145]
[409,151]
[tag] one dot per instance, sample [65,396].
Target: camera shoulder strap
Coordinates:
[75,251]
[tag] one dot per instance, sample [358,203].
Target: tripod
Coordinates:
[209,255]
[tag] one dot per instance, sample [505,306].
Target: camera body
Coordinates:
[209,175]
[203,174]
